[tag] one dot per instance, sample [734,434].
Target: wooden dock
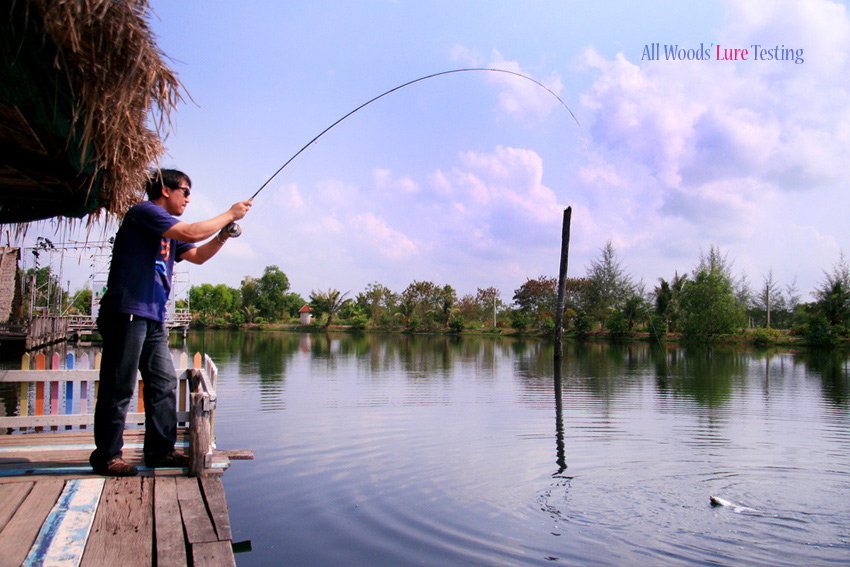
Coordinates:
[52,506]
[54,510]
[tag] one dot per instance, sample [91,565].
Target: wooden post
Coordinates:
[199,426]
[562,282]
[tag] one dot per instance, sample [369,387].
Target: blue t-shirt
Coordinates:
[142,263]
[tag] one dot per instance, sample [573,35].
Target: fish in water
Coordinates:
[717,501]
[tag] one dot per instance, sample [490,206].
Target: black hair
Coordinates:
[160,178]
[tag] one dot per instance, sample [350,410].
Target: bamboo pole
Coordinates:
[562,282]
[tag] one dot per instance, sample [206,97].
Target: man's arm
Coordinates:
[201,230]
[204,252]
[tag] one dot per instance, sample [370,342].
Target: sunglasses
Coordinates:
[186,191]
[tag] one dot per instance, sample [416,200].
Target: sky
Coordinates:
[679,143]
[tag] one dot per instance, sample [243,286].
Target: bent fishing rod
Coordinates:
[234,230]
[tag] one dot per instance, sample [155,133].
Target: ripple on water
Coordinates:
[450,469]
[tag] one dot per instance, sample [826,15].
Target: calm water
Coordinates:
[382,450]
[395,450]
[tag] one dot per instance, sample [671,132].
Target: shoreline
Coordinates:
[748,338]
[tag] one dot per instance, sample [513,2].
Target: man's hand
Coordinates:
[240,209]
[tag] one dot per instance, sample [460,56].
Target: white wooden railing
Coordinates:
[62,397]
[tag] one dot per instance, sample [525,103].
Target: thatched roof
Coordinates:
[82,84]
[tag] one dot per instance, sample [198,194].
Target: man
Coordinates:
[132,316]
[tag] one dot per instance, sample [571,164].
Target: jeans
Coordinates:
[130,345]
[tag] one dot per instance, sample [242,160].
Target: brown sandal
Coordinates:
[172,459]
[116,467]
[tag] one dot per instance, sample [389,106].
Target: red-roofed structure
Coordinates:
[306,317]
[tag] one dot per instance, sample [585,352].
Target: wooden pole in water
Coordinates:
[562,282]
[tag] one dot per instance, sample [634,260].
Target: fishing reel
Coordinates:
[233,230]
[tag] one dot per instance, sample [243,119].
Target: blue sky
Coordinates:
[463,179]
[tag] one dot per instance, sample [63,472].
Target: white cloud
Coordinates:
[692,122]
[322,225]
[716,152]
[463,55]
[374,231]
[289,198]
[502,188]
[384,182]
[522,98]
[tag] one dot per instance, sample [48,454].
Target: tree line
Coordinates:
[701,304]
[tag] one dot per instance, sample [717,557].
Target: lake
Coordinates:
[396,450]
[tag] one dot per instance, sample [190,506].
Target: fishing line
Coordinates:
[407,84]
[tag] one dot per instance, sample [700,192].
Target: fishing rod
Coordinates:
[234,229]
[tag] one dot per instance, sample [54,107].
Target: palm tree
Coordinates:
[328,302]
[834,294]
[250,313]
[668,298]
[834,302]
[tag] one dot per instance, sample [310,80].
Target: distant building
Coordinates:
[306,317]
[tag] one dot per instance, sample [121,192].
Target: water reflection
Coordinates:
[433,450]
[560,447]
[706,374]
[831,368]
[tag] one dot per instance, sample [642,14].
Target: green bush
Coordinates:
[359,322]
[457,324]
[819,332]
[582,325]
[519,321]
[657,327]
[547,325]
[763,337]
[617,326]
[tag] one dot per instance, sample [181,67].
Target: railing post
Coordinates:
[199,425]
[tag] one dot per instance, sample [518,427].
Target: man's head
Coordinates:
[170,188]
[170,178]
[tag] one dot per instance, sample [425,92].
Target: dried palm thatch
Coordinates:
[85,99]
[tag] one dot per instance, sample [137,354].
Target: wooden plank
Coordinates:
[41,375]
[83,419]
[69,398]
[65,452]
[56,438]
[76,437]
[21,531]
[63,535]
[35,458]
[39,398]
[217,505]
[11,496]
[84,397]
[122,533]
[24,397]
[170,541]
[237,454]
[54,398]
[213,554]
[196,520]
